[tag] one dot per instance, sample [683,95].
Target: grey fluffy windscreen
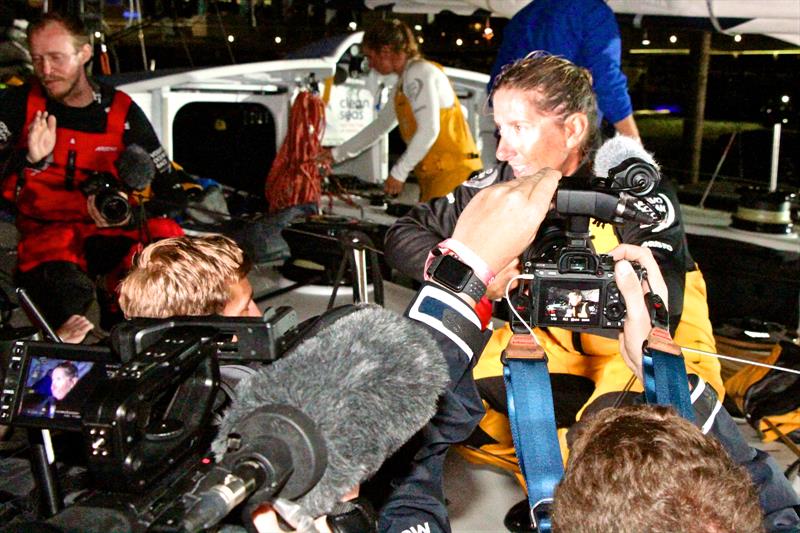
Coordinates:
[369,382]
[135,167]
[616,150]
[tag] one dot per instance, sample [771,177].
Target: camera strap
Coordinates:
[663,367]
[533,425]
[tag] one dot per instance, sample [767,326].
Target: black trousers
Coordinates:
[61,288]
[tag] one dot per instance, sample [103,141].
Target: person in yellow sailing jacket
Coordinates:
[440,148]
[545,111]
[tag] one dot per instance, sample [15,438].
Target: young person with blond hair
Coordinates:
[189,276]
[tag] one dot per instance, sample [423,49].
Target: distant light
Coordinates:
[278,39]
[420,40]
[418,27]
[785,121]
[459,41]
[737,38]
[477,26]
[231,38]
[352,25]
[667,108]
[131,15]
[443,34]
[97,35]
[645,42]
[487,32]
[785,98]
[673,39]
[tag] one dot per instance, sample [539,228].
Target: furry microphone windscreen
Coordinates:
[618,149]
[368,382]
[135,167]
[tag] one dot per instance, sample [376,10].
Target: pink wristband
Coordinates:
[466,256]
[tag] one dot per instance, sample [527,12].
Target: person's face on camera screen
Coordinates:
[574,298]
[61,383]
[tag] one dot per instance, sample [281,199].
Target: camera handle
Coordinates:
[44,469]
[43,461]
[578,233]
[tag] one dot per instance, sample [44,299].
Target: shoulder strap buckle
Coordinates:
[523,346]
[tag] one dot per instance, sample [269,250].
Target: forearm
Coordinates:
[627,126]
[418,147]
[372,133]
[413,236]
[417,497]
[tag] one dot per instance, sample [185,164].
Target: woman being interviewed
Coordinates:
[440,148]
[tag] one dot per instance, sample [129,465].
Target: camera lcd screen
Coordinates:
[55,388]
[568,302]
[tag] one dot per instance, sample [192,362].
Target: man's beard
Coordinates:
[72,89]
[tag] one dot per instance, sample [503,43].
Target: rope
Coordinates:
[294,178]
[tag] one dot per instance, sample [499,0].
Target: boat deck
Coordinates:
[478,496]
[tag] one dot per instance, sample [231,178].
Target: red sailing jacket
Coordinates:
[52,219]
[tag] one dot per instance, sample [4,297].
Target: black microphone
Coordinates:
[626,166]
[574,198]
[320,421]
[135,167]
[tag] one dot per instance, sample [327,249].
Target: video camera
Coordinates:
[573,287]
[143,407]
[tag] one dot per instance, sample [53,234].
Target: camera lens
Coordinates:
[113,207]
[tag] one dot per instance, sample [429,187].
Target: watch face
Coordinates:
[452,273]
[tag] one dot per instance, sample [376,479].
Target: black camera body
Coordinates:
[137,418]
[109,196]
[572,286]
[578,291]
[142,409]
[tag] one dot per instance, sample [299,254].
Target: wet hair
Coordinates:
[73,25]
[183,276]
[69,369]
[556,87]
[645,468]
[393,33]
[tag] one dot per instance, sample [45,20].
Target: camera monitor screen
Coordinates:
[568,302]
[55,388]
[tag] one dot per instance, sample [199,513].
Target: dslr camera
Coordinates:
[109,196]
[577,291]
[573,287]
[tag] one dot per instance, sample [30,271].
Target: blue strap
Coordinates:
[533,427]
[665,381]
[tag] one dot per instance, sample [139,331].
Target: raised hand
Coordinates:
[637,321]
[501,221]
[41,136]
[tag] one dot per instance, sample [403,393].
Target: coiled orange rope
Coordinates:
[294,178]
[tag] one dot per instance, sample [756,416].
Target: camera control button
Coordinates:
[615,311]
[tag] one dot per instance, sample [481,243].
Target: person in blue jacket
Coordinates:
[586,33]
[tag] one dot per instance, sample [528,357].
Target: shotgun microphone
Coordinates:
[315,424]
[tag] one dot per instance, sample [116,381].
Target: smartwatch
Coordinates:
[456,276]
